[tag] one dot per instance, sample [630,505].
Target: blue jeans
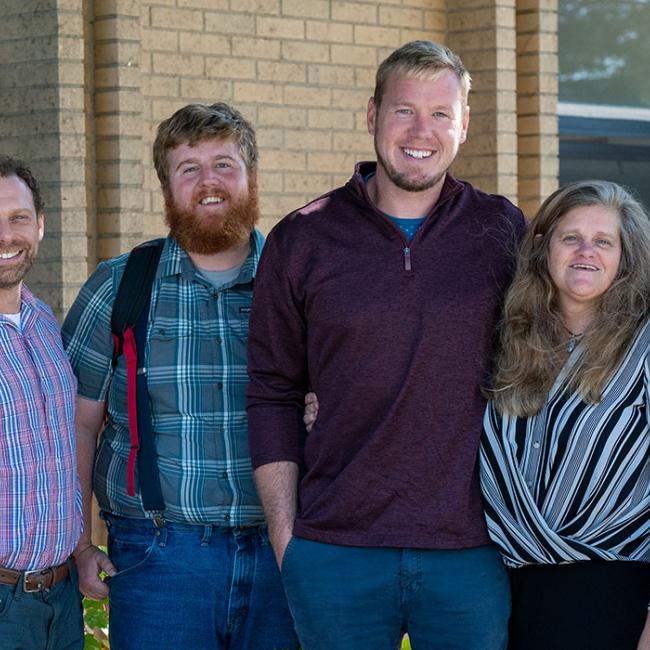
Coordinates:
[367,598]
[185,587]
[46,620]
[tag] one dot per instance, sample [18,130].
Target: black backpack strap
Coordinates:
[129,327]
[135,288]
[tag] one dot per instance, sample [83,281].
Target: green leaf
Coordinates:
[95,613]
[91,643]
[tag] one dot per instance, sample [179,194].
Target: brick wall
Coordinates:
[537,85]
[84,83]
[42,101]
[301,70]
[510,47]
[117,112]
[483,33]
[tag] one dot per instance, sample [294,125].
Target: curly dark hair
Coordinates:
[13,167]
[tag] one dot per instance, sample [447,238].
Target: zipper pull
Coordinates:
[407,259]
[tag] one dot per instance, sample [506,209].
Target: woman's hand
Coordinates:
[311,410]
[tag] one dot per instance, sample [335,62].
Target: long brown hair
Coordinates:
[533,339]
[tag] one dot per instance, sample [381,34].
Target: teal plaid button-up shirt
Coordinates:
[195,360]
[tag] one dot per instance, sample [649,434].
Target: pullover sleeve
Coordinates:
[276,361]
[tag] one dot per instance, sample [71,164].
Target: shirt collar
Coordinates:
[29,308]
[174,260]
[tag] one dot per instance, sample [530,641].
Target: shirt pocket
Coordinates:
[238,313]
[181,372]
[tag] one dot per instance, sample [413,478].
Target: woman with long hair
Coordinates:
[565,461]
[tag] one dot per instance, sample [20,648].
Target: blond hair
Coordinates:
[421,59]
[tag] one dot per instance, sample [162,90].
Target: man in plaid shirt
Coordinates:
[204,576]
[40,502]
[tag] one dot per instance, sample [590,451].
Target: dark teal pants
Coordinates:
[361,598]
[47,620]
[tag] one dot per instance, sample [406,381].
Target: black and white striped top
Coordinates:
[573,482]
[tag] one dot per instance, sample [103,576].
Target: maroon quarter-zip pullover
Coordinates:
[396,340]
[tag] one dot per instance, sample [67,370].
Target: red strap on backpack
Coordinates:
[131,356]
[128,326]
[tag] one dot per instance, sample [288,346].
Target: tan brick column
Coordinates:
[118,125]
[482,32]
[43,122]
[537,84]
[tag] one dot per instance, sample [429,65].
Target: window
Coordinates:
[604,92]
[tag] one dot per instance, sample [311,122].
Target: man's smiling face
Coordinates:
[418,128]
[207,177]
[211,201]
[21,230]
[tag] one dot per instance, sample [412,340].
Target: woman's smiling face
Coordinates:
[584,256]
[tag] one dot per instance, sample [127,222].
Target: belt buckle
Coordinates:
[40,585]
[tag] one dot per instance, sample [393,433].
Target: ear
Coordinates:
[371,115]
[40,220]
[464,124]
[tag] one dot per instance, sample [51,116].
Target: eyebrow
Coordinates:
[600,233]
[187,161]
[25,210]
[436,107]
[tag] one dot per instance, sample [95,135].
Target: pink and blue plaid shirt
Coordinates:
[40,501]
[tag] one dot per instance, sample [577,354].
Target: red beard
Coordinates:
[209,235]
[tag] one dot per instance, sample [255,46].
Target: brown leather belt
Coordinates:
[41,580]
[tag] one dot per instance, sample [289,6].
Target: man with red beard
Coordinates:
[40,504]
[200,573]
